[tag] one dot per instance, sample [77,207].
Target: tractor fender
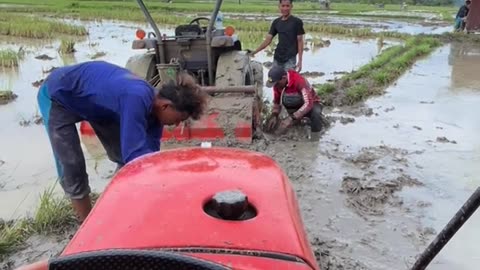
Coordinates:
[143,65]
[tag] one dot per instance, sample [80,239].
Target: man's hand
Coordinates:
[299,66]
[272,122]
[250,53]
[285,125]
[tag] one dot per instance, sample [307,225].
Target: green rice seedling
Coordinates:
[67,46]
[54,214]
[9,58]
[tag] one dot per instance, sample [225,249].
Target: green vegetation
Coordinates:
[7,96]
[9,58]
[53,215]
[67,46]
[372,78]
[250,6]
[12,24]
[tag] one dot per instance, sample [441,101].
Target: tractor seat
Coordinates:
[188,30]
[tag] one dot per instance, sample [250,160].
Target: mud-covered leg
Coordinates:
[316,118]
[109,136]
[66,146]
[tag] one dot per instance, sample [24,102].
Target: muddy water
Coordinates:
[28,167]
[435,122]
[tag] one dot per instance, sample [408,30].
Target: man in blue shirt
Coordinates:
[126,113]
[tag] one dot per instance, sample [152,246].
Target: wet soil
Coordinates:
[7,97]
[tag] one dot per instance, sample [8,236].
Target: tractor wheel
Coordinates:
[235,68]
[143,65]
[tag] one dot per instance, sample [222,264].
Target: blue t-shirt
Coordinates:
[102,92]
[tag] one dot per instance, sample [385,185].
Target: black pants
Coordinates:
[68,152]
[294,102]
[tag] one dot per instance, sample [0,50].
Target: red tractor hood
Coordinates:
[157,202]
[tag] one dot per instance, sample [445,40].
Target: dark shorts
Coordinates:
[65,141]
[294,102]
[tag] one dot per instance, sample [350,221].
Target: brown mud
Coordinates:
[7,97]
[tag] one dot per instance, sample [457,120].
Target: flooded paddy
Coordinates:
[373,191]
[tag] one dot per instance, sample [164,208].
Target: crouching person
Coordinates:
[126,113]
[297,96]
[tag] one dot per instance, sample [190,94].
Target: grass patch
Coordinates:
[252,6]
[18,25]
[7,96]
[325,89]
[10,58]
[372,78]
[67,46]
[357,92]
[12,236]
[53,215]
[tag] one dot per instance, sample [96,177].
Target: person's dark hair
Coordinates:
[186,95]
[280,1]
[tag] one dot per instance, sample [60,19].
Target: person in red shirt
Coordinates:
[297,96]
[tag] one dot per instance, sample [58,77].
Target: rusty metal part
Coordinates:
[468,208]
[229,89]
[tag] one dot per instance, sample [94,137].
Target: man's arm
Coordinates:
[308,99]
[265,43]
[276,102]
[268,38]
[300,34]
[134,140]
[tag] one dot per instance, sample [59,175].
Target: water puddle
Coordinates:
[435,120]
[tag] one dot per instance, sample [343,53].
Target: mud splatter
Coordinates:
[329,258]
[49,70]
[44,57]
[7,97]
[313,74]
[98,55]
[369,197]
[445,140]
[38,83]
[36,119]
[36,248]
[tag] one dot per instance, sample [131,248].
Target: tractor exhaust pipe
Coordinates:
[468,208]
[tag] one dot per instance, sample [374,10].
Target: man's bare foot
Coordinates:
[82,207]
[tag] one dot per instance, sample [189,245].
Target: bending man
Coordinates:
[126,113]
[297,96]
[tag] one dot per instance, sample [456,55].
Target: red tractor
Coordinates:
[193,208]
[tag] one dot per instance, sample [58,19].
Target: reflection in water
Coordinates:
[68,59]
[465,62]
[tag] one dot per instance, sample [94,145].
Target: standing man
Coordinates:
[461,17]
[290,38]
[126,113]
